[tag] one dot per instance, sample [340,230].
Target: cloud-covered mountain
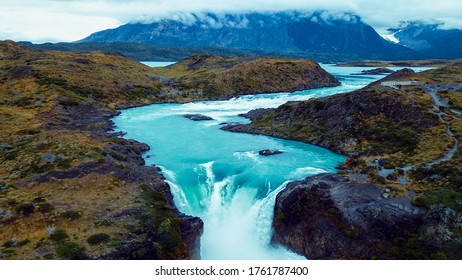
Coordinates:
[317,32]
[429,38]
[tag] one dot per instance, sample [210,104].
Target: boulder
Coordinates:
[198,117]
[269,152]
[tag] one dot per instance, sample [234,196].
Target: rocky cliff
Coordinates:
[330,217]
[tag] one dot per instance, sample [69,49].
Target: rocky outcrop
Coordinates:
[403,74]
[255,113]
[191,232]
[372,120]
[268,152]
[329,217]
[197,117]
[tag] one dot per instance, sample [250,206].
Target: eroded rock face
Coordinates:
[191,232]
[329,217]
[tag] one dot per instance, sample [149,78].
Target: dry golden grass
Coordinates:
[433,144]
[455,99]
[98,198]
[450,73]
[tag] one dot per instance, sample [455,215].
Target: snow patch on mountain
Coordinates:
[390,38]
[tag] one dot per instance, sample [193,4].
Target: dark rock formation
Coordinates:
[197,117]
[191,232]
[253,114]
[329,217]
[245,128]
[269,152]
[402,74]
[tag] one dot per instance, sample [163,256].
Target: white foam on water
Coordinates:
[179,198]
[170,175]
[254,156]
[304,172]
[237,225]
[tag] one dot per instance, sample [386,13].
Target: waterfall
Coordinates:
[238,224]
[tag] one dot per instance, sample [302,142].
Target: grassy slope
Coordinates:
[449,173]
[108,78]
[60,171]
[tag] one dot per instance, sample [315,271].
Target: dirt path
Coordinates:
[432,90]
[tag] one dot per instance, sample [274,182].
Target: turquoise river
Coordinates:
[219,176]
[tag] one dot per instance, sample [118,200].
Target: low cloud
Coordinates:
[69,20]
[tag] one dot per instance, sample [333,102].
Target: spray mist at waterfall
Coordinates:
[238,223]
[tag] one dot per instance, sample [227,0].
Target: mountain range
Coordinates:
[322,36]
[289,32]
[430,39]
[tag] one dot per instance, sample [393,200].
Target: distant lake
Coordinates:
[158,63]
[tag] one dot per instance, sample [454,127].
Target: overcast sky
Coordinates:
[70,20]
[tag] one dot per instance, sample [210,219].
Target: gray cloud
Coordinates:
[68,20]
